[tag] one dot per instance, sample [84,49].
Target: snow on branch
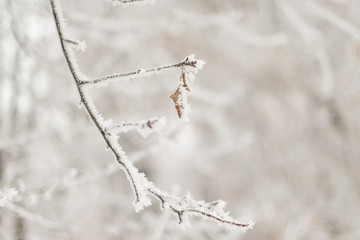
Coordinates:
[186,206]
[7,196]
[140,185]
[79,45]
[119,2]
[190,63]
[144,128]
[137,181]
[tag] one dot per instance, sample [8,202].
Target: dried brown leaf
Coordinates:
[178,96]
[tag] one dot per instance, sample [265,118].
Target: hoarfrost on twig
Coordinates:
[141,186]
[7,196]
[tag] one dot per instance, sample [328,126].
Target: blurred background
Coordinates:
[274,130]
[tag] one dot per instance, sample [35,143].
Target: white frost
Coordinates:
[81,46]
[7,196]
[144,128]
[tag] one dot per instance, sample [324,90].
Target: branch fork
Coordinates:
[140,185]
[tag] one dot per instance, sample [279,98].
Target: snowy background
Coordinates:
[274,130]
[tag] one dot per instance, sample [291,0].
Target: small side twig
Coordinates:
[127,1]
[141,72]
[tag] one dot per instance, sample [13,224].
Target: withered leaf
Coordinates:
[179,97]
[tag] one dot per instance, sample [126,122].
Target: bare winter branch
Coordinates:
[95,116]
[127,1]
[142,72]
[139,183]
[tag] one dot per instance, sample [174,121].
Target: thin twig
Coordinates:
[127,1]
[71,41]
[139,72]
[90,110]
[138,181]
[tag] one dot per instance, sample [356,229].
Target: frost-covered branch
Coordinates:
[137,180]
[186,206]
[118,2]
[79,45]
[7,196]
[141,186]
[187,62]
[144,128]
[126,1]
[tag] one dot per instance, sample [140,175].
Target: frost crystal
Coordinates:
[151,125]
[196,64]
[187,206]
[144,128]
[7,196]
[81,46]
[126,2]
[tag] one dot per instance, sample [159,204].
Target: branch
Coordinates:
[7,196]
[137,180]
[145,127]
[127,1]
[197,64]
[183,207]
[79,45]
[187,206]
[118,2]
